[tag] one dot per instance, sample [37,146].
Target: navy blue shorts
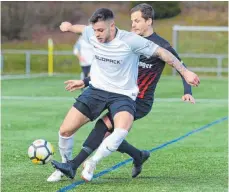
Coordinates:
[92,102]
[143,107]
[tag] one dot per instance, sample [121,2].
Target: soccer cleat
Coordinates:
[88,171]
[55,176]
[137,169]
[65,168]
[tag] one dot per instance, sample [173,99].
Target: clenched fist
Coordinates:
[65,26]
[191,78]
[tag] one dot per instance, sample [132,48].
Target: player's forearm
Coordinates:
[187,87]
[77,28]
[169,58]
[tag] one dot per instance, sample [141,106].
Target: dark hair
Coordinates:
[102,14]
[146,10]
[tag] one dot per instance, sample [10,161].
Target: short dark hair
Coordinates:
[146,10]
[102,14]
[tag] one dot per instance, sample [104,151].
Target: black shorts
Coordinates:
[92,102]
[86,70]
[143,107]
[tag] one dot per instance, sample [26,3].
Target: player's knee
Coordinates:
[123,119]
[64,132]
[107,122]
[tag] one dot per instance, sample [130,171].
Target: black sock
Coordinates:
[79,159]
[96,136]
[92,142]
[129,149]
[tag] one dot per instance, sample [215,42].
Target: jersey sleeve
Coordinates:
[87,33]
[140,45]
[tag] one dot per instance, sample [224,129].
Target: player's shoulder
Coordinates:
[132,40]
[123,35]
[159,40]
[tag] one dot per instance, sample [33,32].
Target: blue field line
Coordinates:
[75,184]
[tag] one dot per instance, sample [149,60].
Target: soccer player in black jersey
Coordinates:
[150,70]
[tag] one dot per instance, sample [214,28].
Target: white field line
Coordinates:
[43,98]
[24,76]
[8,77]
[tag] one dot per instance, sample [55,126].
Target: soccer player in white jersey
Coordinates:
[113,84]
[85,54]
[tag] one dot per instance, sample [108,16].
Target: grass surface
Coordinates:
[197,163]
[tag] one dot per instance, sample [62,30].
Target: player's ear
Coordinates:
[112,24]
[149,21]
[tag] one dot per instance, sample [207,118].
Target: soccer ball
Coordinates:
[40,151]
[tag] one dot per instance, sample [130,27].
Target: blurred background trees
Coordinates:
[163,9]
[26,20]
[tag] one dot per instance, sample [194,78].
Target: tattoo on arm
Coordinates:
[169,58]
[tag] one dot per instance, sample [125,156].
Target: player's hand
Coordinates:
[188,98]
[72,85]
[191,78]
[65,26]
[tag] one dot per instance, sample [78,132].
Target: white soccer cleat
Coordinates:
[88,171]
[55,176]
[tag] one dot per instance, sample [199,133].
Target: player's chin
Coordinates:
[138,32]
[101,40]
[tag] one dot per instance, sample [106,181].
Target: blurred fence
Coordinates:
[218,69]
[27,54]
[219,57]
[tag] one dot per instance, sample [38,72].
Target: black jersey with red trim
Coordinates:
[150,70]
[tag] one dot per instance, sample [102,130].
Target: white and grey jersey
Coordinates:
[115,64]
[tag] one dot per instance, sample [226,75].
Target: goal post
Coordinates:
[50,57]
[219,57]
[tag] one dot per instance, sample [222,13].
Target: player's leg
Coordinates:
[85,73]
[86,70]
[122,111]
[72,122]
[92,142]
[82,74]
[139,157]
[87,104]
[122,121]
[95,139]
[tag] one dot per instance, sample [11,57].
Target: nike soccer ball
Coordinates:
[40,151]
